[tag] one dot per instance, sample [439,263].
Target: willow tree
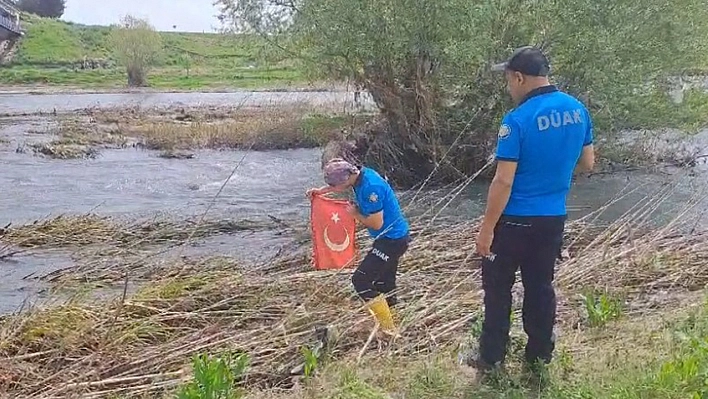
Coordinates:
[426,63]
[137,46]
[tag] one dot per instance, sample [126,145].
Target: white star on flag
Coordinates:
[335,217]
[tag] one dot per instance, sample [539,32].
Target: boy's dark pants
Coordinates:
[377,272]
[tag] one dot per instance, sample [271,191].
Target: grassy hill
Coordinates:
[52,52]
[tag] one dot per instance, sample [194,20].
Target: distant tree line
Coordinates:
[43,8]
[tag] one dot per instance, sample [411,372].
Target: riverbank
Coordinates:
[615,291]
[161,78]
[646,356]
[61,54]
[211,255]
[44,89]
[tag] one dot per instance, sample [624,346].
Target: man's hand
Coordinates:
[484,242]
[498,197]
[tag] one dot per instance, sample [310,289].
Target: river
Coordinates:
[14,104]
[136,183]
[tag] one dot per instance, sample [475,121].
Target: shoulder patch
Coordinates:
[504,131]
[373,198]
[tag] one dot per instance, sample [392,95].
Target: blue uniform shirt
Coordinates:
[373,194]
[545,135]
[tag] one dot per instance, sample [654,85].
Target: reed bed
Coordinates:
[106,250]
[176,130]
[59,150]
[140,344]
[87,229]
[190,128]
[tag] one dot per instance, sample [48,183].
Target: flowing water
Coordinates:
[136,183]
[11,104]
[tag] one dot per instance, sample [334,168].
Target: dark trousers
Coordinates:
[377,272]
[533,244]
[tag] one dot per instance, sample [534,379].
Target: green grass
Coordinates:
[160,78]
[643,358]
[215,377]
[601,308]
[51,51]
[48,41]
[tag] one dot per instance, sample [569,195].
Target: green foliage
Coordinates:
[49,42]
[655,110]
[186,62]
[681,373]
[136,46]
[476,330]
[43,8]
[430,382]
[427,63]
[215,377]
[685,374]
[311,359]
[350,386]
[209,49]
[601,308]
[316,126]
[689,371]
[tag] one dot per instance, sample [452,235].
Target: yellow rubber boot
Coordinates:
[379,308]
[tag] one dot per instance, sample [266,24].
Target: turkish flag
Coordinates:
[333,234]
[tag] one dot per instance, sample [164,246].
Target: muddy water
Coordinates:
[135,183]
[11,104]
[139,183]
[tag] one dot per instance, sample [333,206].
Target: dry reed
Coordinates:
[174,129]
[258,128]
[141,344]
[87,229]
[63,151]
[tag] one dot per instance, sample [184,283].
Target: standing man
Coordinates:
[377,208]
[540,143]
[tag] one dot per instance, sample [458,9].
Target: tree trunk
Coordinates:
[136,77]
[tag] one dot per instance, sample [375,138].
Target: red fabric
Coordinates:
[333,234]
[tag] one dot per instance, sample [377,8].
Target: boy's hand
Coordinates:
[312,192]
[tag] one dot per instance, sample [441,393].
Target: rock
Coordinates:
[298,370]
[176,155]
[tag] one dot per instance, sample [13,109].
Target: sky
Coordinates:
[187,15]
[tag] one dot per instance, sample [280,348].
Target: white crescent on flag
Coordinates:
[336,247]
